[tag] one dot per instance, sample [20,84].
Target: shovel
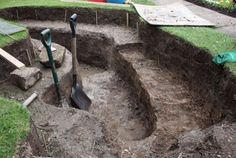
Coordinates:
[47,42]
[78,96]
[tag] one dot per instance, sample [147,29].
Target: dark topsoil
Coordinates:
[19,50]
[66,132]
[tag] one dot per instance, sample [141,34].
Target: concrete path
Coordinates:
[224,23]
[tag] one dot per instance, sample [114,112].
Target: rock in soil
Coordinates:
[26,77]
[216,141]
[58,54]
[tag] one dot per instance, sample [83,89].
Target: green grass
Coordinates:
[14,126]
[58,3]
[6,40]
[147,2]
[206,38]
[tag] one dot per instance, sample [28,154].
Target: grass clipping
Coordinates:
[14,126]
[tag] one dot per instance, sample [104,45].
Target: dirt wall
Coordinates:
[92,48]
[85,15]
[194,65]
[19,50]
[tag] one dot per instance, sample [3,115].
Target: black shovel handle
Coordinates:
[73,22]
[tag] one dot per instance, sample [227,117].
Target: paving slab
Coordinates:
[170,14]
[8,28]
[230,30]
[211,15]
[222,22]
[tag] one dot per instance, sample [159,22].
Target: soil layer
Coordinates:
[19,50]
[173,105]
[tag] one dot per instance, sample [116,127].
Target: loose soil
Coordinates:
[115,104]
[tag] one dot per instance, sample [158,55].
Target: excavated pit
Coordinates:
[113,102]
[140,107]
[146,100]
[143,107]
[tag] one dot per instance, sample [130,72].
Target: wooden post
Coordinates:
[96,17]
[65,15]
[127,19]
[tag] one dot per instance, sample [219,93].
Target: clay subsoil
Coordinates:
[139,109]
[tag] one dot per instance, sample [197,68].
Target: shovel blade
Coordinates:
[80,99]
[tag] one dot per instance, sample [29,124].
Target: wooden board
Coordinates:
[11,59]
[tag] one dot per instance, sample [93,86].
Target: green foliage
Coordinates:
[223,4]
[14,126]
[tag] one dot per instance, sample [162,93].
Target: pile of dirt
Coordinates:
[216,141]
[75,133]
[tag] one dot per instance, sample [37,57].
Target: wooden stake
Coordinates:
[28,56]
[65,15]
[127,19]
[17,15]
[137,27]
[36,16]
[96,17]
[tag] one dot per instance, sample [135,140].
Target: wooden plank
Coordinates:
[11,59]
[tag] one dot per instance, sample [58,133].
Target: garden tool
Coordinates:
[47,42]
[79,98]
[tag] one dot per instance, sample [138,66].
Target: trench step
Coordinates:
[169,99]
[120,35]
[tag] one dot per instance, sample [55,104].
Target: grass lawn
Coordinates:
[206,38]
[14,126]
[6,40]
[59,3]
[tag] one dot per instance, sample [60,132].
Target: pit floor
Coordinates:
[114,103]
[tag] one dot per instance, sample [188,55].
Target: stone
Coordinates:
[58,53]
[26,77]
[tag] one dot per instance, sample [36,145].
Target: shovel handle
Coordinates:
[47,42]
[73,22]
[46,38]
